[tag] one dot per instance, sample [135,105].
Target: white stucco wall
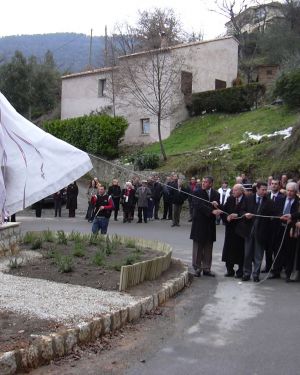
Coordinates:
[207,61]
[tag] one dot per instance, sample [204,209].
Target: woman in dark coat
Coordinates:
[233,249]
[115,192]
[72,193]
[128,202]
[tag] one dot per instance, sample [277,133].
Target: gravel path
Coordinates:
[63,303]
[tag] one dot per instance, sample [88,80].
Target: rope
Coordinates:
[207,201]
[174,188]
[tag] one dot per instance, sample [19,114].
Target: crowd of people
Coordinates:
[261,219]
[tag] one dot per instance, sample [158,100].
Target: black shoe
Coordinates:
[274,276]
[238,275]
[139,222]
[265,270]
[229,274]
[173,225]
[145,221]
[163,218]
[190,220]
[245,278]
[208,273]
[197,273]
[156,218]
[256,279]
[116,219]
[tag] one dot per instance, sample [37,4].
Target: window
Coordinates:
[101,87]
[186,83]
[269,72]
[145,125]
[219,84]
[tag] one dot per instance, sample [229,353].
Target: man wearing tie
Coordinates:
[255,229]
[276,196]
[287,206]
[233,249]
[203,231]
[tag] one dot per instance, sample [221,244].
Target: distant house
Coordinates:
[257,18]
[266,74]
[205,65]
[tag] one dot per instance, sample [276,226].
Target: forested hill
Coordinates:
[70,50]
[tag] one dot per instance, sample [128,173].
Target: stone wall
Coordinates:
[9,238]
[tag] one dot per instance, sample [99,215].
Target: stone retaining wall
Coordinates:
[46,348]
[10,234]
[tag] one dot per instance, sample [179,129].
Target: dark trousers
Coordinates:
[142,212]
[167,210]
[254,252]
[202,255]
[57,207]
[71,212]
[156,208]
[176,213]
[150,208]
[286,257]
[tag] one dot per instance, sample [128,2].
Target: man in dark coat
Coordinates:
[233,249]
[276,196]
[255,229]
[286,206]
[179,196]
[203,232]
[156,195]
[72,193]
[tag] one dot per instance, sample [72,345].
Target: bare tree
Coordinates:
[152,82]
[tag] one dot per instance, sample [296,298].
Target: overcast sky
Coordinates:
[41,16]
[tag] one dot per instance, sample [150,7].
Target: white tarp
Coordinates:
[34,164]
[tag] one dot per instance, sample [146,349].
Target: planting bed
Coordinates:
[79,259]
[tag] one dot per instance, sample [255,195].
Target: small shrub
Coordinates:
[288,88]
[75,236]
[132,259]
[51,253]
[64,263]
[130,243]
[230,100]
[143,161]
[48,235]
[37,244]
[93,239]
[79,250]
[98,259]
[29,238]
[61,237]
[110,245]
[15,262]
[117,266]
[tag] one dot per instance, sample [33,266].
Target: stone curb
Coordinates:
[46,348]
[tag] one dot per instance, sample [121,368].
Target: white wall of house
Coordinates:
[207,61]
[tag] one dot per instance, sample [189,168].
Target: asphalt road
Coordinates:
[217,326]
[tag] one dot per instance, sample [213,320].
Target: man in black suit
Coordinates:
[255,229]
[275,195]
[286,206]
[203,232]
[233,249]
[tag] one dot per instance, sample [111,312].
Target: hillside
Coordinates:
[258,143]
[70,50]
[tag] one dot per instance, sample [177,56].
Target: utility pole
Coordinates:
[106,47]
[90,54]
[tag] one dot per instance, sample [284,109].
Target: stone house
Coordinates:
[257,18]
[129,89]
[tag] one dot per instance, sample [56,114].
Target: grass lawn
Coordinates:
[256,158]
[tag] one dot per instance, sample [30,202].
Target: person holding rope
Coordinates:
[203,231]
[288,205]
[103,207]
[233,249]
[254,229]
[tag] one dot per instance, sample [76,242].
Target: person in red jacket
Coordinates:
[103,207]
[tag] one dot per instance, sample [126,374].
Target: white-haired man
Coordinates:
[287,206]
